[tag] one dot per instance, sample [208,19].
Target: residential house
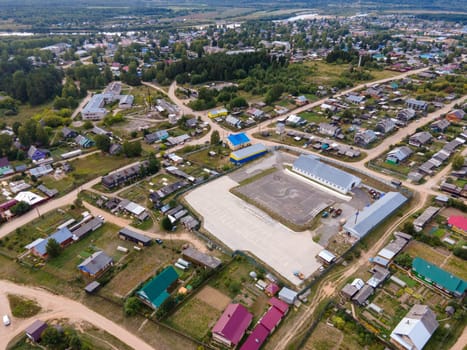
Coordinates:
[294,120]
[438,277]
[37,154]
[458,224]
[5,167]
[232,325]
[356,99]
[84,142]
[428,214]
[96,264]
[415,329]
[301,100]
[69,133]
[329,129]
[115,149]
[157,136]
[385,126]
[406,115]
[363,294]
[216,113]
[63,237]
[398,154]
[156,291]
[122,176]
[29,197]
[364,138]
[312,168]
[455,115]
[41,170]
[420,139]
[417,105]
[440,125]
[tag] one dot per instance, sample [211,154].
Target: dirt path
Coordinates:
[122,222]
[54,307]
[461,341]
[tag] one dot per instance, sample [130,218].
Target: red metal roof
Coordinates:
[458,221]
[272,288]
[256,338]
[279,304]
[271,318]
[233,323]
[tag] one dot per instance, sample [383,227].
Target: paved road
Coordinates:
[56,307]
[81,105]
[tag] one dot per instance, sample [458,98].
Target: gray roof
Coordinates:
[201,258]
[400,153]
[91,225]
[426,216]
[249,151]
[421,137]
[311,164]
[363,294]
[95,263]
[132,234]
[424,313]
[360,223]
[349,290]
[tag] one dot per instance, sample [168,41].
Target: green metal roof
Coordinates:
[439,276]
[155,291]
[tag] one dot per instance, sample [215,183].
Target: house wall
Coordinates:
[219,338]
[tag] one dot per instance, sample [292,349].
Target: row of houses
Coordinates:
[123,176]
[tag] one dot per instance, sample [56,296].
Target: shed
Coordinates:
[288,295]
[326,256]
[132,236]
[363,294]
[35,330]
[197,257]
[92,287]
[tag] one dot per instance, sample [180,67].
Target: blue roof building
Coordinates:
[62,236]
[237,141]
[312,168]
[248,154]
[362,222]
[155,292]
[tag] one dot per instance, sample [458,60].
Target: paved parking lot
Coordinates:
[294,200]
[244,227]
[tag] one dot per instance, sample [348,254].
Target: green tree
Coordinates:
[457,162]
[53,248]
[239,102]
[404,260]
[102,142]
[153,164]
[53,339]
[132,149]
[20,208]
[132,306]
[215,138]
[166,224]
[88,125]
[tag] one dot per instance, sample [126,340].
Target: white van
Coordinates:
[6,320]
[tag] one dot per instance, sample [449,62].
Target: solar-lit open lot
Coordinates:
[242,226]
[293,200]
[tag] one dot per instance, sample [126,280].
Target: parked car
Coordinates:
[6,320]
[159,241]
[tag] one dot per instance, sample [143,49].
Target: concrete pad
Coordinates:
[244,227]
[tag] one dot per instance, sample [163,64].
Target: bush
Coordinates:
[132,306]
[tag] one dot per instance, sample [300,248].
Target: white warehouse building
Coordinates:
[312,168]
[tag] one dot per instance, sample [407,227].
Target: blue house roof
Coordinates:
[60,236]
[360,223]
[155,291]
[238,139]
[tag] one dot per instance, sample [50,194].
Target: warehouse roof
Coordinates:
[360,223]
[311,164]
[248,151]
[439,276]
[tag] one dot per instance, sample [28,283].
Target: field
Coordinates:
[196,317]
[135,272]
[219,162]
[448,262]
[324,337]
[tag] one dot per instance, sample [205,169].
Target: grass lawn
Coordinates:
[424,251]
[137,194]
[230,280]
[22,307]
[38,228]
[324,337]
[218,162]
[410,282]
[456,266]
[136,272]
[25,112]
[314,117]
[195,318]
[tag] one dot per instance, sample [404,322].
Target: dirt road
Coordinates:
[83,103]
[55,307]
